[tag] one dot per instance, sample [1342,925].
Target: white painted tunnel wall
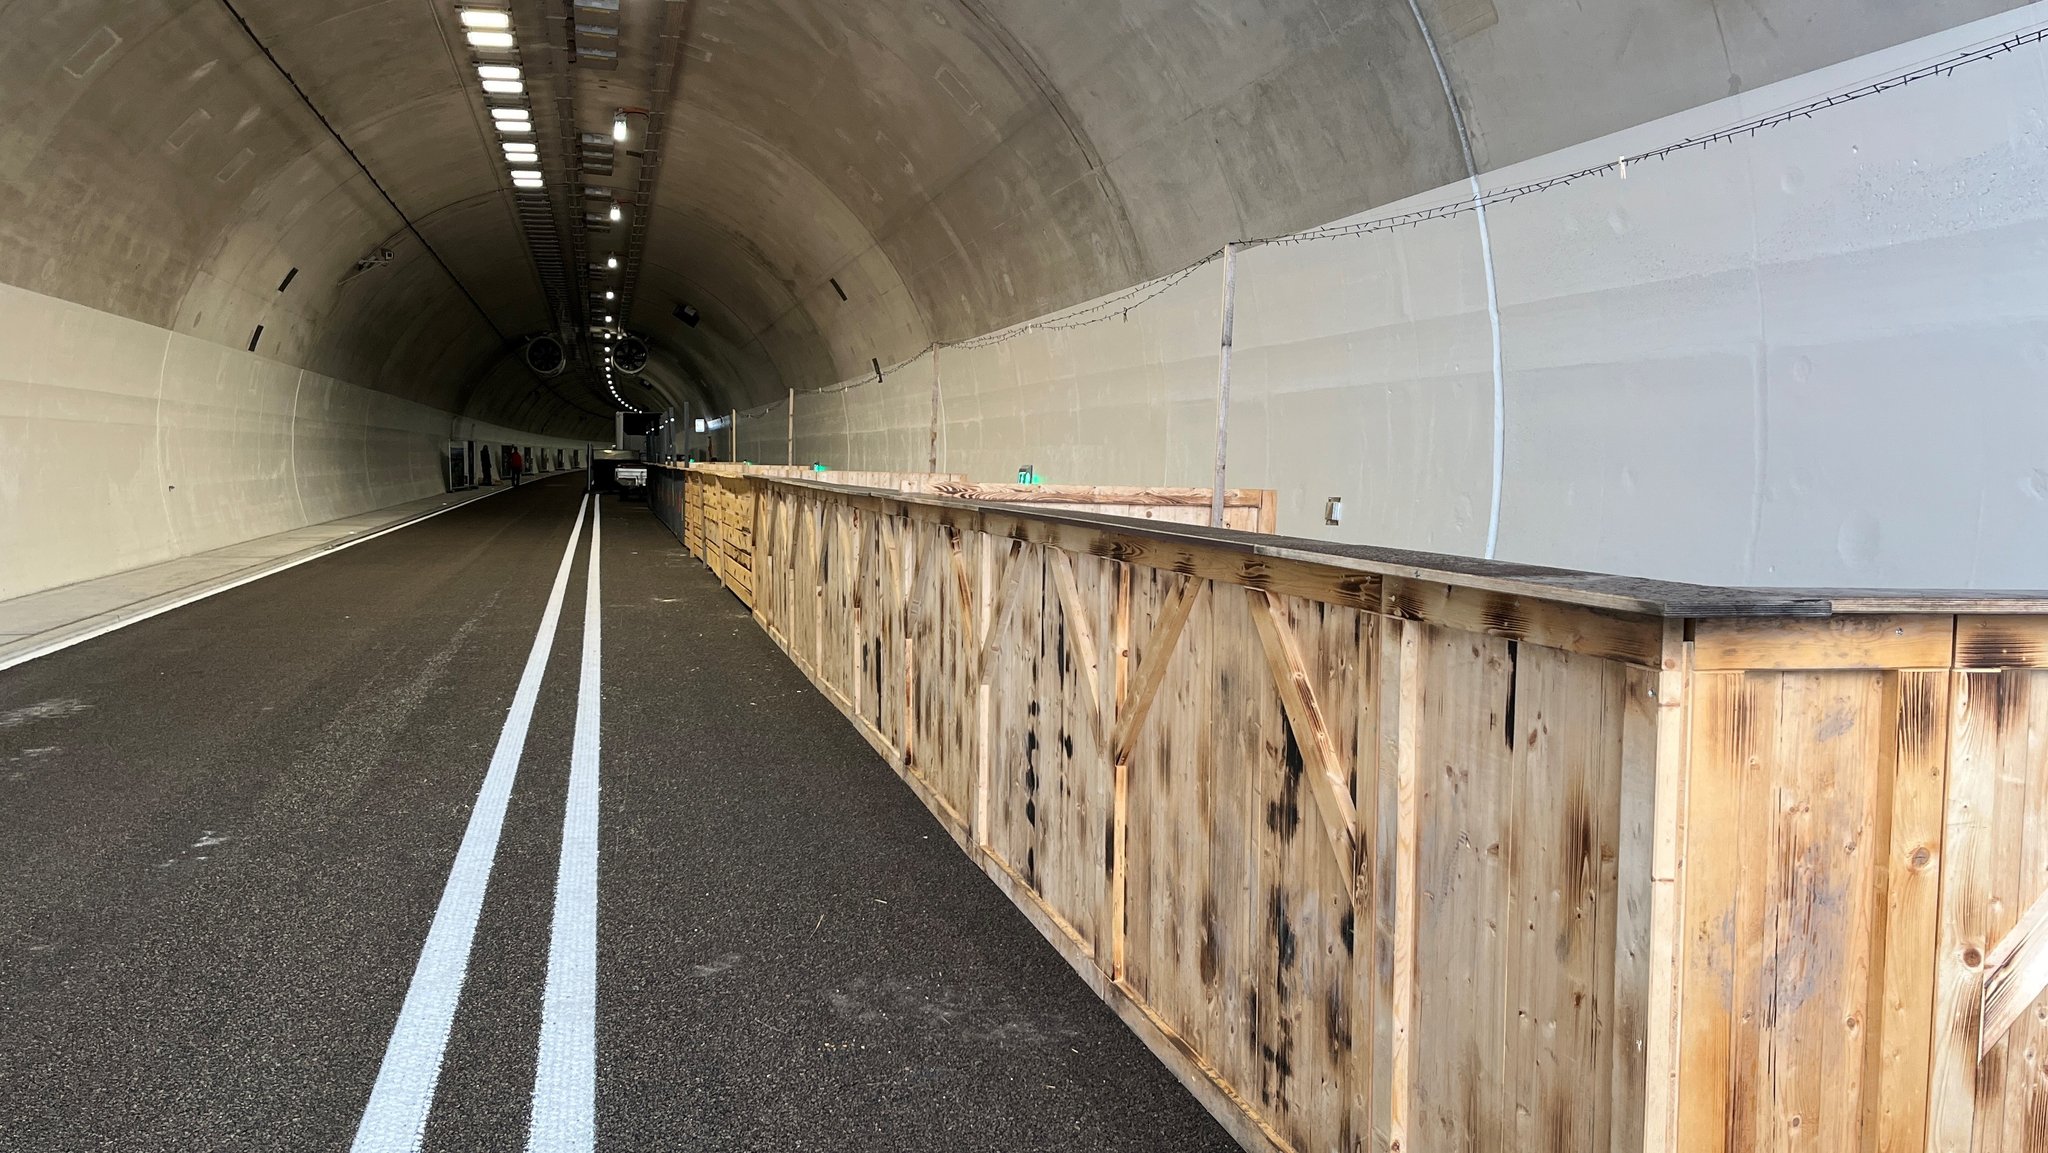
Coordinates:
[124,444]
[1815,356]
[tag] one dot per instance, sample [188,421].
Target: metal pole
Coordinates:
[934,454]
[735,436]
[790,436]
[1223,382]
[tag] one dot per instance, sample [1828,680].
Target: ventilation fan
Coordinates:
[545,357]
[629,355]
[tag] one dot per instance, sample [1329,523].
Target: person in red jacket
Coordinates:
[518,465]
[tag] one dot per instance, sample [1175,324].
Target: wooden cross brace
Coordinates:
[2015,974]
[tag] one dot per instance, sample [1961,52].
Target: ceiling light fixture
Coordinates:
[485,18]
[489,39]
[504,87]
[619,127]
[515,127]
[518,146]
[498,71]
[611,262]
[521,158]
[610,295]
[510,114]
[616,214]
[607,319]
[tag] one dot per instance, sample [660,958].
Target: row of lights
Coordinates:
[610,383]
[611,264]
[504,85]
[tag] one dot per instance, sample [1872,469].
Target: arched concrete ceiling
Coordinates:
[954,165]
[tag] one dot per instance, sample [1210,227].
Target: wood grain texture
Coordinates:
[1565,768]
[1409,726]
[2012,1071]
[1163,641]
[1311,753]
[1965,929]
[1857,642]
[2002,642]
[1637,640]
[1634,923]
[2015,975]
[1990,1093]
[1464,799]
[1733,721]
[1896,1113]
[1244,509]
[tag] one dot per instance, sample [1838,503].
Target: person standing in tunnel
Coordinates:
[483,467]
[515,466]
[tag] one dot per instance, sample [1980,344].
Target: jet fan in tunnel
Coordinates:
[545,356]
[629,355]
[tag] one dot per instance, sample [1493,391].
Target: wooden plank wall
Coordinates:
[720,511]
[1864,828]
[1379,864]
[1198,790]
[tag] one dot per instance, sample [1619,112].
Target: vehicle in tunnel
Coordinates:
[619,471]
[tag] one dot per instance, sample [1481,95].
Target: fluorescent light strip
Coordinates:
[517,146]
[510,114]
[485,18]
[504,87]
[498,71]
[515,127]
[490,39]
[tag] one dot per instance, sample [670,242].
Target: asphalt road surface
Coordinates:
[421,845]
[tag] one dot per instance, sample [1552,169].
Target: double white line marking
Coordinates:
[565,1083]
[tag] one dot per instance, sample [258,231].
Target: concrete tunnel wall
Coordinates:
[1815,356]
[848,183]
[125,444]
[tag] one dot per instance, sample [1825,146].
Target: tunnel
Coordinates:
[1023,574]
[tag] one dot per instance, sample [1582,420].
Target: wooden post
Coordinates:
[982,622]
[1408,722]
[933,455]
[1223,381]
[1664,1022]
[789,438]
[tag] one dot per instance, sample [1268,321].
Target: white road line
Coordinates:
[159,610]
[395,1121]
[565,1075]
